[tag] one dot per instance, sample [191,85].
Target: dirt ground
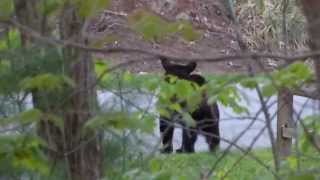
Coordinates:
[208,16]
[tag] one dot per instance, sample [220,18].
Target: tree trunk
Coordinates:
[284,123]
[84,150]
[312,13]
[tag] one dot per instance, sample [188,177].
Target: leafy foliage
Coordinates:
[24,118]
[86,9]
[153,27]
[49,7]
[22,156]
[126,79]
[36,66]
[292,77]
[6,9]
[46,82]
[11,41]
[90,8]
[122,121]
[311,138]
[224,90]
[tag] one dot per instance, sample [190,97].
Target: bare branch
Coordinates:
[220,58]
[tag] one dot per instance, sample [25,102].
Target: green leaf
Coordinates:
[12,40]
[194,100]
[250,83]
[127,76]
[153,27]
[163,176]
[113,119]
[6,9]
[164,112]
[301,70]
[3,44]
[8,143]
[188,32]
[147,123]
[149,25]
[175,107]
[227,95]
[305,144]
[269,90]
[239,109]
[48,7]
[293,76]
[67,81]
[302,177]
[312,123]
[212,99]
[55,119]
[30,116]
[121,121]
[30,157]
[183,89]
[155,165]
[183,177]
[101,68]
[47,82]
[90,8]
[171,79]
[152,84]
[24,152]
[293,162]
[4,66]
[188,119]
[27,160]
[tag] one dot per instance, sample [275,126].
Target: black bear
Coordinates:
[206,116]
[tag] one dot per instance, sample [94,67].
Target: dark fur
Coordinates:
[206,116]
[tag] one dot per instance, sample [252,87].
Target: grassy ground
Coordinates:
[193,166]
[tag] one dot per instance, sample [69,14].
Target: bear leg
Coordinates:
[189,137]
[166,131]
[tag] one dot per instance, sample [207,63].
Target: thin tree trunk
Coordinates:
[284,122]
[311,9]
[285,101]
[85,153]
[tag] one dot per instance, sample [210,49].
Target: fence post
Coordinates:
[285,125]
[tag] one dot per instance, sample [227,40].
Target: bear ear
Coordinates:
[191,67]
[197,78]
[166,64]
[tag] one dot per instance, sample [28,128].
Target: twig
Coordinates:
[235,141]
